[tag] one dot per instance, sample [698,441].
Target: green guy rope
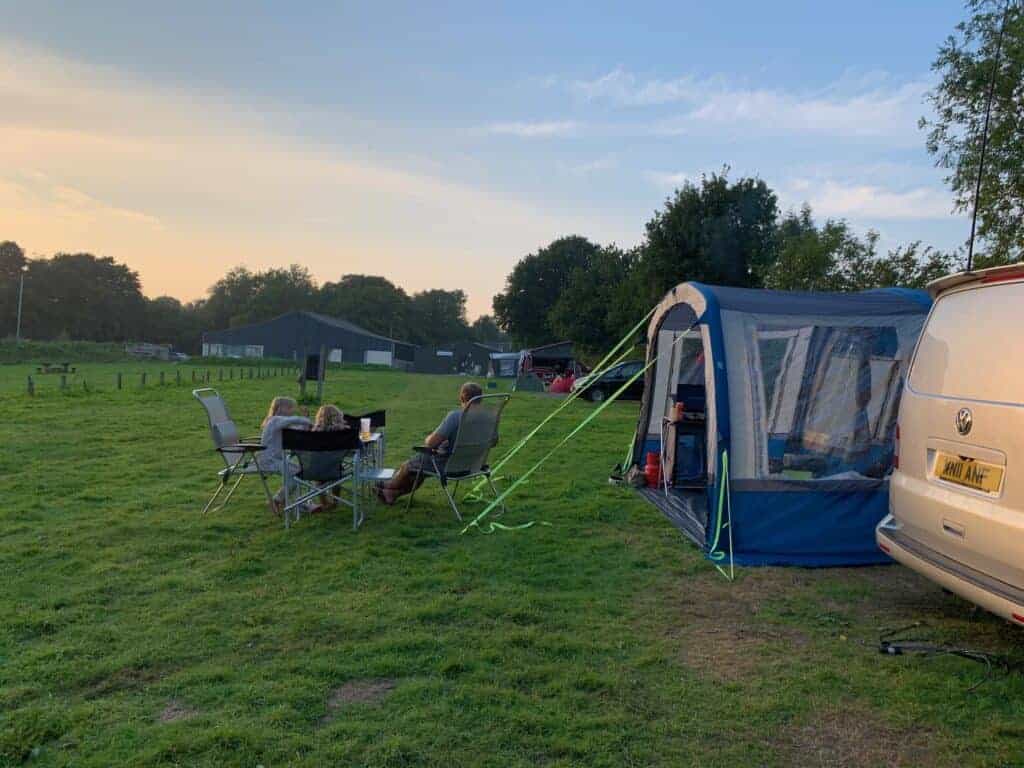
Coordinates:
[593,415]
[724,502]
[600,369]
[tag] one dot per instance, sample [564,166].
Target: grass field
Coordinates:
[137,632]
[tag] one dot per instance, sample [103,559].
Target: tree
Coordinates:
[486,331]
[718,232]
[809,258]
[12,260]
[966,67]
[282,290]
[229,300]
[833,258]
[439,317]
[373,302]
[83,297]
[534,286]
[168,321]
[595,308]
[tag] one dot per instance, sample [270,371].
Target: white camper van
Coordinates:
[956,498]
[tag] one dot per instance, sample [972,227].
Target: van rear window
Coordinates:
[972,347]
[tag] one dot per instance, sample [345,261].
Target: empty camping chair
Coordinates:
[239,455]
[326,461]
[467,456]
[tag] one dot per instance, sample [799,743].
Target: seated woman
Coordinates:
[440,440]
[281,415]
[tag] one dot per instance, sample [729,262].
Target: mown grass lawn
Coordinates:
[137,632]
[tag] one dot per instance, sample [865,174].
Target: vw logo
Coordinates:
[964,421]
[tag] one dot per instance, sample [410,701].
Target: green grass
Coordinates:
[601,640]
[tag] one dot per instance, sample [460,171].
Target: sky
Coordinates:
[437,144]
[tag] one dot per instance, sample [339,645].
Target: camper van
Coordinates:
[957,492]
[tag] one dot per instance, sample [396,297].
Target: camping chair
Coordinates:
[467,459]
[239,455]
[326,460]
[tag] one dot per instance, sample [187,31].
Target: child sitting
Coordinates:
[329,418]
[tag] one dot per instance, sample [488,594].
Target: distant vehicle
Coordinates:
[611,381]
[956,498]
[179,357]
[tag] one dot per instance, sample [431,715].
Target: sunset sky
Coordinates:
[437,145]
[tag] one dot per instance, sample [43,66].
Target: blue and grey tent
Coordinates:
[781,450]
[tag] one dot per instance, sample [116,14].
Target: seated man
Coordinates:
[441,439]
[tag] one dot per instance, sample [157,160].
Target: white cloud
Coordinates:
[604,163]
[535,130]
[623,88]
[668,180]
[835,199]
[868,105]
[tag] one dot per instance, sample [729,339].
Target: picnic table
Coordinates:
[55,368]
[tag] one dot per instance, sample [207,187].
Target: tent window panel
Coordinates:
[828,397]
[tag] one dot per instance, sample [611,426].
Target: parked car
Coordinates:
[612,380]
[957,490]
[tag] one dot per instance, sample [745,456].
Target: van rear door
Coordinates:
[960,485]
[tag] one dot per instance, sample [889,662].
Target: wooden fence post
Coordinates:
[119,380]
[31,387]
[63,381]
[143,379]
[321,371]
[177,377]
[161,378]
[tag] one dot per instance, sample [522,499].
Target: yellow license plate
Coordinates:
[971,473]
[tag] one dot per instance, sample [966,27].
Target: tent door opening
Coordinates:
[680,429]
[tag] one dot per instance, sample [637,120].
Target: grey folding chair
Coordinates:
[467,457]
[239,455]
[326,461]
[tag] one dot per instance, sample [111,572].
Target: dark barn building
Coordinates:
[296,333]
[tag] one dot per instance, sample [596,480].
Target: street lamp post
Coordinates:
[21,292]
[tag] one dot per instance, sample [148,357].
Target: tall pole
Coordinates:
[984,135]
[21,292]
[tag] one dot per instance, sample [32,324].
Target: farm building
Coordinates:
[468,357]
[291,335]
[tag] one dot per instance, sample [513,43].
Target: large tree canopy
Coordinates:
[596,306]
[967,67]
[373,302]
[715,232]
[534,286]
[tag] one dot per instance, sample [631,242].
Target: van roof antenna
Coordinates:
[984,133]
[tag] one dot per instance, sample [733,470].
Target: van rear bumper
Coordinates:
[993,595]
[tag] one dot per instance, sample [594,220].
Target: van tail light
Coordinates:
[884,548]
[1018,618]
[896,449]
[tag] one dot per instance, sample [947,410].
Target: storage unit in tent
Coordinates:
[773,417]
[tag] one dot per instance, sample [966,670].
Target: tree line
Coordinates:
[715,231]
[83,297]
